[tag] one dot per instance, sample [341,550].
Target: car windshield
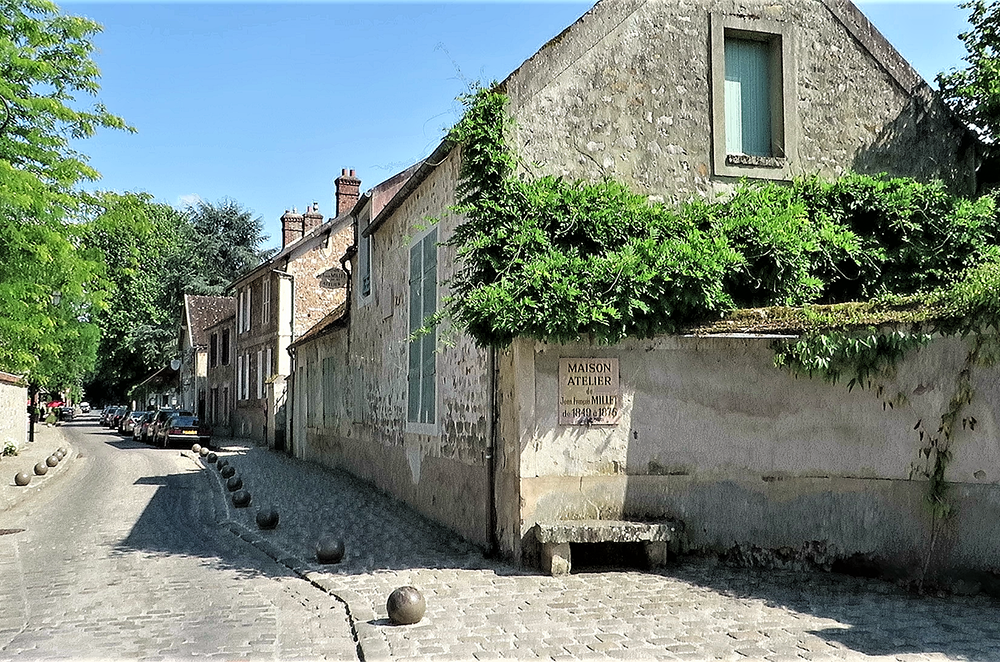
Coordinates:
[184,421]
[137,414]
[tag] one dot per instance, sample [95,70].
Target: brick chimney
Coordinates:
[348,187]
[312,218]
[291,227]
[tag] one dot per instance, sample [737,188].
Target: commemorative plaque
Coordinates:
[589,392]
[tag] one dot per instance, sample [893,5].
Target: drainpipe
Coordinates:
[491,462]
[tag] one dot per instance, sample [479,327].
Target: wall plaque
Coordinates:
[589,392]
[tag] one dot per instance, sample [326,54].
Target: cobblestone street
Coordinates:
[131,552]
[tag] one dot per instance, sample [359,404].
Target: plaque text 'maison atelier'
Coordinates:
[589,392]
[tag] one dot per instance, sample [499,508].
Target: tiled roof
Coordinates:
[334,319]
[202,312]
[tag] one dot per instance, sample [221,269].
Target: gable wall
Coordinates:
[627,94]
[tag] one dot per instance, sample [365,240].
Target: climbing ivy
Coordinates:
[552,259]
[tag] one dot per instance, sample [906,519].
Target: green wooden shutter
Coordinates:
[416,310]
[428,372]
[748,97]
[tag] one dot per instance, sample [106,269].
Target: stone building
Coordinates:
[200,312]
[221,374]
[279,301]
[675,100]
[14,406]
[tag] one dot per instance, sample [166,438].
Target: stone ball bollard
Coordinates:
[196,448]
[203,452]
[221,463]
[52,460]
[234,483]
[211,458]
[62,449]
[330,549]
[267,517]
[41,469]
[241,498]
[228,471]
[405,606]
[61,455]
[22,478]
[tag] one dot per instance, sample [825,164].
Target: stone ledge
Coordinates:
[659,539]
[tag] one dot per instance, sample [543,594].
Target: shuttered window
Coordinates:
[748,97]
[421,396]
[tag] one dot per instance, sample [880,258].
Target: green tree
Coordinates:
[49,290]
[973,92]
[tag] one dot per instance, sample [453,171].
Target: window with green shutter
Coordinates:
[421,376]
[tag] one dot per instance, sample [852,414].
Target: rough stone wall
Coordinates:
[778,464]
[13,411]
[320,282]
[626,93]
[441,473]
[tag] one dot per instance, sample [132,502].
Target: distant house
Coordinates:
[221,374]
[200,312]
[279,301]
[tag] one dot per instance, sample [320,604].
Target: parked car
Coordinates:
[183,428]
[115,416]
[163,415]
[141,425]
[85,407]
[103,420]
[129,422]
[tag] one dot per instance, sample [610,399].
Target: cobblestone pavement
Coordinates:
[122,559]
[479,609]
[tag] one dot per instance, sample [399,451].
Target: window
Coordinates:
[753,98]
[243,311]
[421,396]
[265,306]
[213,350]
[239,377]
[224,351]
[365,258]
[329,391]
[260,374]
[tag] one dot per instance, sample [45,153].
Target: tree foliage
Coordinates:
[552,259]
[974,92]
[50,290]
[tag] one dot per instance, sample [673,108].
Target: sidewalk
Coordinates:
[47,441]
[479,609]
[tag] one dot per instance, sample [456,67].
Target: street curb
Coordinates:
[38,483]
[372,645]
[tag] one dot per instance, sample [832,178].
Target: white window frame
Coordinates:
[260,374]
[265,313]
[784,116]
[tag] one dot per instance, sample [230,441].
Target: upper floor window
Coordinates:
[421,376]
[243,310]
[224,348]
[265,306]
[213,350]
[753,101]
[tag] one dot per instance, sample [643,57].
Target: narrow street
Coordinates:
[122,559]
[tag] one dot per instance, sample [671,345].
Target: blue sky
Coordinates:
[265,103]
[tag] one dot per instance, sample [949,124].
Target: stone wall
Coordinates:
[747,454]
[13,411]
[441,471]
[626,92]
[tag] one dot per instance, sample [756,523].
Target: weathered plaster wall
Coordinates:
[13,411]
[713,434]
[626,93]
[443,471]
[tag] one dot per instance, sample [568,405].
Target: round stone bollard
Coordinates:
[41,469]
[203,452]
[196,448]
[61,455]
[228,471]
[406,606]
[241,498]
[52,460]
[22,478]
[211,458]
[62,449]
[330,549]
[267,517]
[234,483]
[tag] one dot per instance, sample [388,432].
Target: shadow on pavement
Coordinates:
[875,617]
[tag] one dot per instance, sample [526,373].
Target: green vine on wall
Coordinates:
[557,260]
